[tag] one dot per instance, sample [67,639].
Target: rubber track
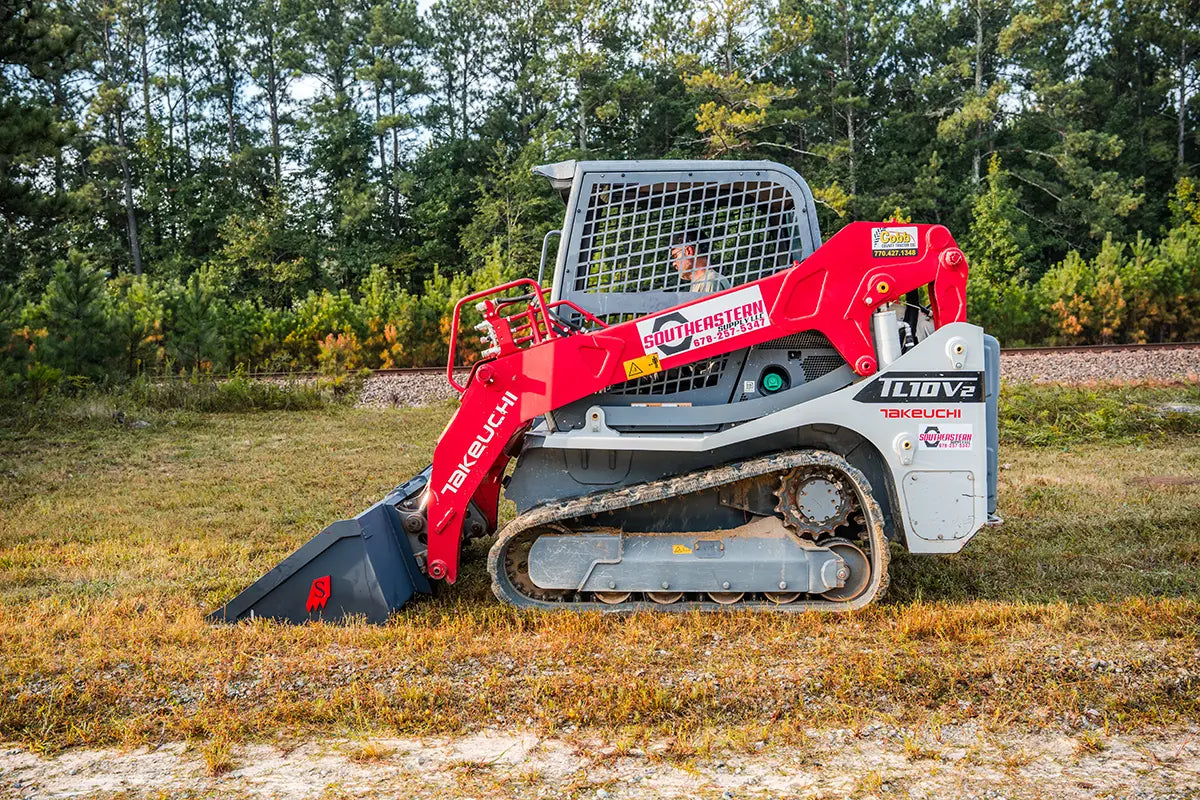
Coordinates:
[653,491]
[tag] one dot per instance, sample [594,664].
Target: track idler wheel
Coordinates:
[858,567]
[665,598]
[516,564]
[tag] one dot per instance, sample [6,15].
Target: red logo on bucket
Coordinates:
[318,595]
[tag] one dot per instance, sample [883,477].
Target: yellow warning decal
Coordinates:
[642,366]
[680,549]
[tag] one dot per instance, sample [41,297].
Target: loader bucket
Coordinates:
[362,566]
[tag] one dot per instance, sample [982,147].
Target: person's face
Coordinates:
[684,258]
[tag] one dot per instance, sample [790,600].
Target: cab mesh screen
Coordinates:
[744,229]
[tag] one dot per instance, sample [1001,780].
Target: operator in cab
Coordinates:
[689,255]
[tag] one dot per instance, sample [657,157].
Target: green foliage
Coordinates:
[1010,310]
[74,309]
[998,238]
[1057,140]
[317,316]
[515,207]
[1127,293]
[195,341]
[1185,202]
[1050,415]
[15,348]
[339,360]
[41,379]
[136,318]
[264,256]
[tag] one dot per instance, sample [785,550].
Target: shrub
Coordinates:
[136,319]
[1129,293]
[203,393]
[74,311]
[194,341]
[316,316]
[1011,311]
[41,380]
[340,359]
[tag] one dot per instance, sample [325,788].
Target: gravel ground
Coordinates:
[879,762]
[388,391]
[1117,365]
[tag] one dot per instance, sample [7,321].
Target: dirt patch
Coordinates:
[1166,480]
[877,761]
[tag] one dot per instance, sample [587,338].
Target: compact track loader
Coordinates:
[707,409]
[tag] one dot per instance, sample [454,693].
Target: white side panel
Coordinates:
[925,414]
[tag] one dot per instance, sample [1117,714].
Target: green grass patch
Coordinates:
[116,540]
[1050,415]
[233,394]
[203,394]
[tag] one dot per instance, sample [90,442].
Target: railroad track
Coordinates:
[1006,351]
[307,374]
[1100,348]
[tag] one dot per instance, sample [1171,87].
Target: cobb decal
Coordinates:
[714,320]
[894,242]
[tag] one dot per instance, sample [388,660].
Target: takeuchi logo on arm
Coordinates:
[477,448]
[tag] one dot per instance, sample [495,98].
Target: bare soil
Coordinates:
[877,761]
[1058,656]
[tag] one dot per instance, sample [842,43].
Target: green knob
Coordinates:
[772,382]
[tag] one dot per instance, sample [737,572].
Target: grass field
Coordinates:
[1081,614]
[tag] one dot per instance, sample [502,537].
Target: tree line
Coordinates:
[196,184]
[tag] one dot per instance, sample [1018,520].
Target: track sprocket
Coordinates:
[814,501]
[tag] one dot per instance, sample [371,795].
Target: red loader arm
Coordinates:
[834,291]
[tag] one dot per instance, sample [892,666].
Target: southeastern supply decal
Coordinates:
[894,242]
[945,437]
[707,322]
[476,448]
[893,388]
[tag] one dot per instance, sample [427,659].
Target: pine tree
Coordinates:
[461,41]
[735,40]
[73,311]
[37,41]
[972,69]
[194,340]
[136,319]
[998,238]
[392,49]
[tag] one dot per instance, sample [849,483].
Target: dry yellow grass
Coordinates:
[366,752]
[218,755]
[1084,609]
